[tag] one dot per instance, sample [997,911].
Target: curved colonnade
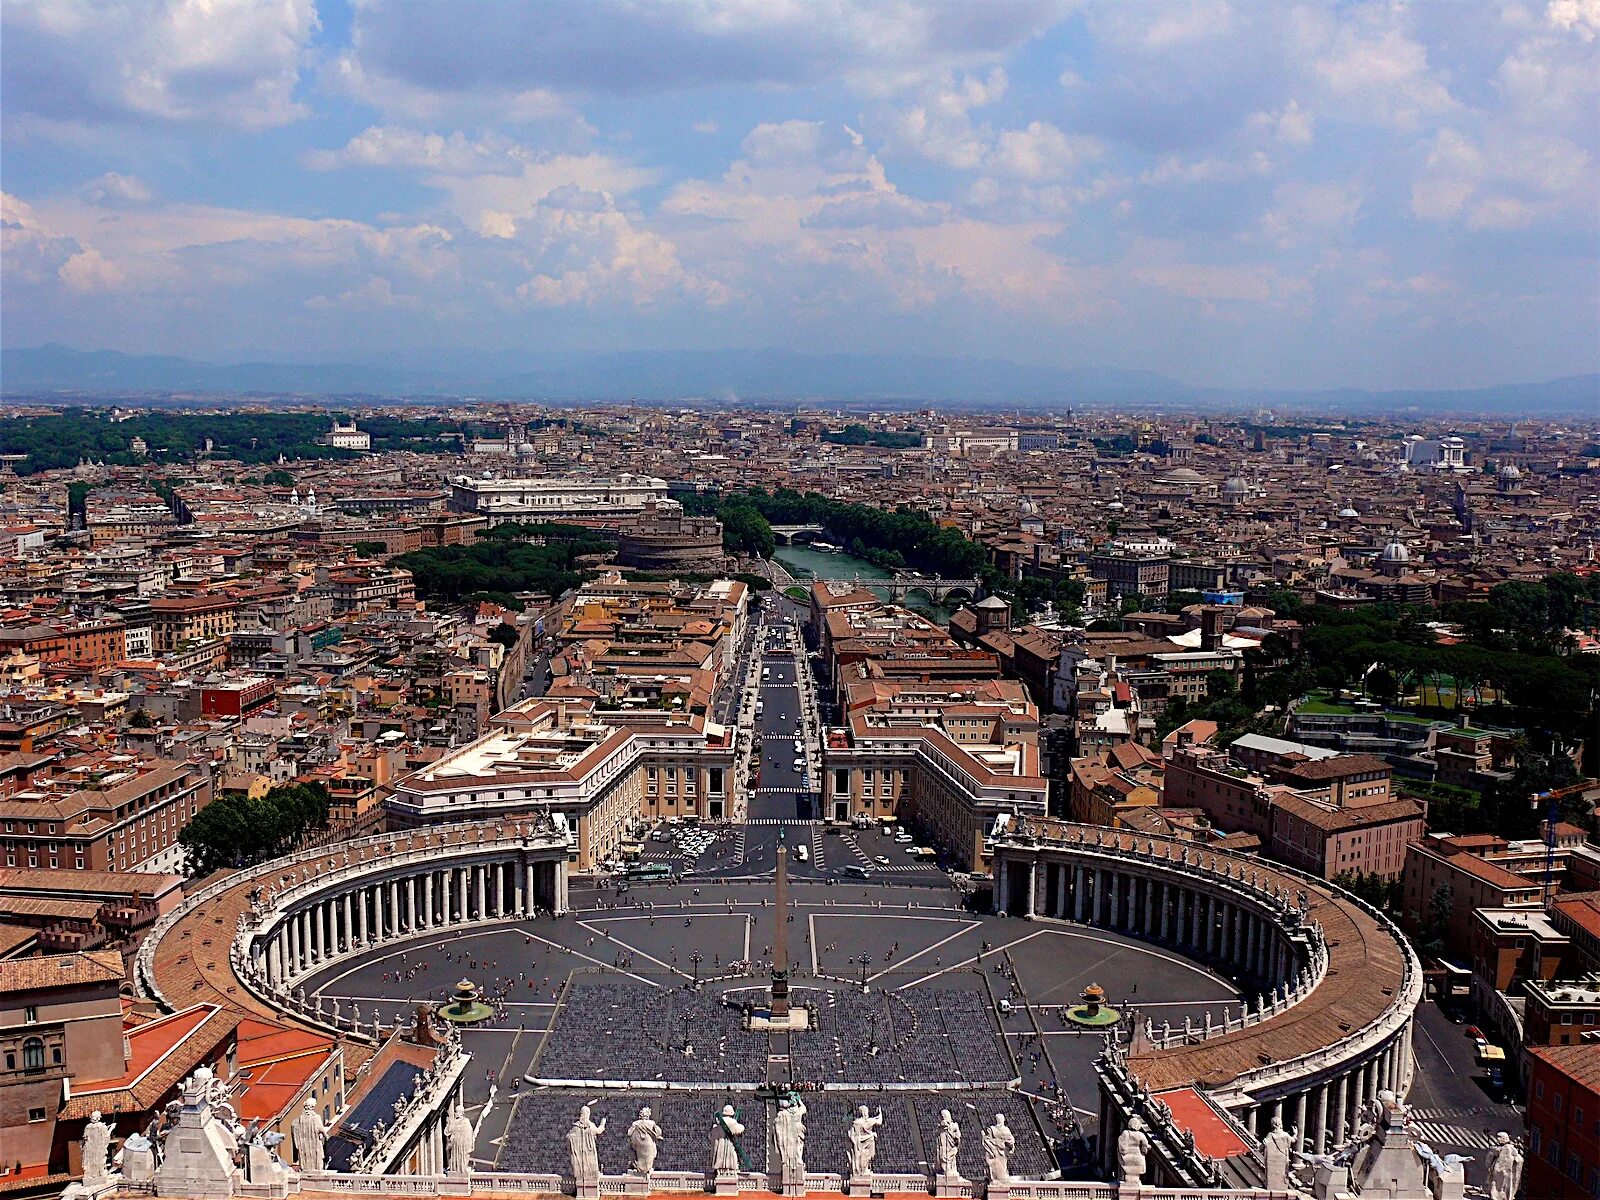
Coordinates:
[1335,984]
[294,916]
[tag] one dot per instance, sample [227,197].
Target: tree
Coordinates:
[1220,685]
[278,478]
[142,719]
[235,830]
[505,635]
[1436,927]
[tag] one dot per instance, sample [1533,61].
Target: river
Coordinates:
[805,563]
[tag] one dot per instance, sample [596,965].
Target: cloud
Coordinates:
[878,211]
[398,146]
[226,63]
[114,189]
[413,54]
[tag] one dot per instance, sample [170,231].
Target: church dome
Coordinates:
[1348,513]
[1510,472]
[1235,486]
[1395,552]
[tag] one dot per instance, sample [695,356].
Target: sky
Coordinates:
[1269,194]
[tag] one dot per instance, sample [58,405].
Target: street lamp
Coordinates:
[866,961]
[695,959]
[687,1019]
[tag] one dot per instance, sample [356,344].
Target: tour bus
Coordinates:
[645,872]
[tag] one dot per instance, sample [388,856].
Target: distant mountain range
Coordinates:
[744,377]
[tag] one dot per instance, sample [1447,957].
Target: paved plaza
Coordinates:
[605,995]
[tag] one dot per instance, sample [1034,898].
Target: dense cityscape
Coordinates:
[872,599]
[381,784]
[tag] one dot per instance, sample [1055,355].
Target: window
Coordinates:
[33,1054]
[30,1014]
[35,1115]
[841,779]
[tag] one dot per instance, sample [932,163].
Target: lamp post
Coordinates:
[695,959]
[866,961]
[687,1020]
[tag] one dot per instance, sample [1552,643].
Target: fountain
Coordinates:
[1092,1010]
[465,1008]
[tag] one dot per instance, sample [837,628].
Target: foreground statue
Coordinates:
[96,1152]
[583,1141]
[459,1136]
[789,1129]
[1278,1148]
[725,1142]
[947,1146]
[310,1138]
[998,1143]
[1505,1167]
[644,1135]
[1132,1146]
[864,1143]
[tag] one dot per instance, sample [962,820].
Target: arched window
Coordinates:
[33,1054]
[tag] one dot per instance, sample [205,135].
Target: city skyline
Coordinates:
[1281,196]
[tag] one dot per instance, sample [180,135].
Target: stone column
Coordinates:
[1059,908]
[1079,893]
[561,886]
[530,889]
[1340,1107]
[1166,915]
[1319,1127]
[1301,1141]
[1149,906]
[1116,899]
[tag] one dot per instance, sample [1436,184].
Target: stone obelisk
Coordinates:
[780,941]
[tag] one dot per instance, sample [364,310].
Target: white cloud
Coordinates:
[218,63]
[113,189]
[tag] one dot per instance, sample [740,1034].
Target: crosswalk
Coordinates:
[779,820]
[1441,1135]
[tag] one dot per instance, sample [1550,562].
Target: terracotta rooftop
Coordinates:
[60,970]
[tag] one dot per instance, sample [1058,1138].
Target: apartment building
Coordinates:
[104,812]
[1318,810]
[1563,1119]
[60,1021]
[176,620]
[601,771]
[945,756]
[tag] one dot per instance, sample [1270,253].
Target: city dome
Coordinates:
[1395,552]
[1347,512]
[1510,471]
[1183,475]
[992,604]
[1235,486]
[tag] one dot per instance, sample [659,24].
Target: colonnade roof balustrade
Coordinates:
[185,959]
[1373,977]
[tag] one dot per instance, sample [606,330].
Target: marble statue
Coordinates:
[863,1142]
[1505,1167]
[644,1135]
[998,1143]
[948,1145]
[1132,1146]
[789,1130]
[96,1152]
[310,1137]
[1278,1146]
[459,1136]
[582,1141]
[724,1141]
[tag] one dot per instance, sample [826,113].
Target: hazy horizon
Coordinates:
[1233,195]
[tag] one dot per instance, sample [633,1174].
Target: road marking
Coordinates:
[1442,1056]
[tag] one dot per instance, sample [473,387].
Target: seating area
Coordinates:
[942,1035]
[630,1031]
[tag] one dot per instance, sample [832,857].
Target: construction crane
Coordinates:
[1552,800]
